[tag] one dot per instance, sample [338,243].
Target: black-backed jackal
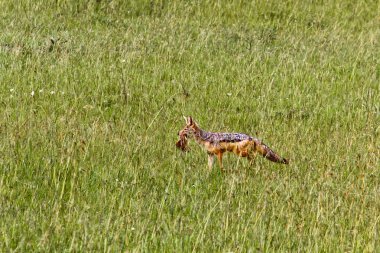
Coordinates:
[217,143]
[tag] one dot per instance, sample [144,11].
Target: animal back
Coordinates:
[215,138]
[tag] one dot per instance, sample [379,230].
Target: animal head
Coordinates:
[186,133]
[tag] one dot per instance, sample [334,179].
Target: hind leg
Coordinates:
[252,158]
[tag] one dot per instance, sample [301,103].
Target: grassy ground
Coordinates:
[92,95]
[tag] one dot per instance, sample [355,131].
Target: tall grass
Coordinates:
[92,96]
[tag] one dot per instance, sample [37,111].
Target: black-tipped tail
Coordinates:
[269,154]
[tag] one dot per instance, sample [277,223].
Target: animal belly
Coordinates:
[240,148]
[232,147]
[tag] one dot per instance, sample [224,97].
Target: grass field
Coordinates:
[92,95]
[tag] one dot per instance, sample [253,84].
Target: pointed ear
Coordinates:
[190,120]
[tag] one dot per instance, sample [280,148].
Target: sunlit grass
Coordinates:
[92,97]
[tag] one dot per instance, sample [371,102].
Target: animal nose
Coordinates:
[178,133]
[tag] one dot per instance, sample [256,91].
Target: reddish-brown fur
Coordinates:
[216,144]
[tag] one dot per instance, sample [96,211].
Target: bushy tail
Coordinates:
[268,153]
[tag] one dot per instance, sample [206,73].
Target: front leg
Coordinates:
[220,155]
[210,160]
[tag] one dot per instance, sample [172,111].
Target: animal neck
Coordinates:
[199,134]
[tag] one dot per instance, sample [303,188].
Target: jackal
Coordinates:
[217,143]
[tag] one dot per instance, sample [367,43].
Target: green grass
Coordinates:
[88,163]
